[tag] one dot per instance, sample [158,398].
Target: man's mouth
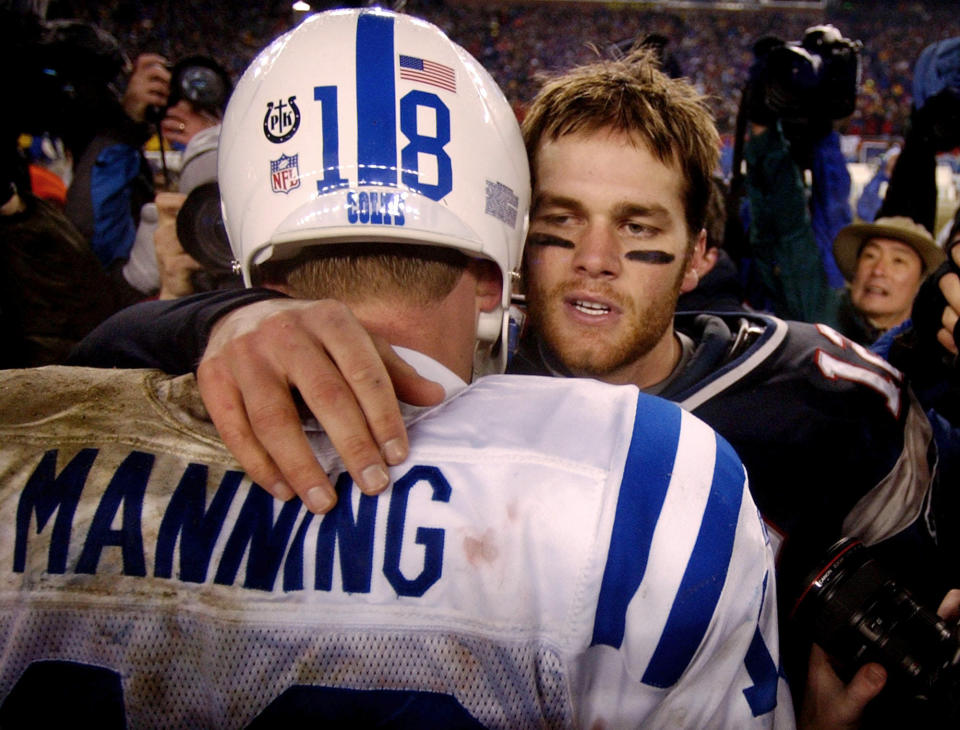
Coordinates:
[876,290]
[593,309]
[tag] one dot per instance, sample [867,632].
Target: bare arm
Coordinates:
[350,380]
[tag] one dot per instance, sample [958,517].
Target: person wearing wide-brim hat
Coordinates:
[885,263]
[851,239]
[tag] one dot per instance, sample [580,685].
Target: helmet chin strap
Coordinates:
[490,354]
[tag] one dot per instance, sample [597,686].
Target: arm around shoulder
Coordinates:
[168,335]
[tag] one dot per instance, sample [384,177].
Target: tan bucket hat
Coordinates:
[850,239]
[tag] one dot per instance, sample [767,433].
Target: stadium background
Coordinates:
[710,41]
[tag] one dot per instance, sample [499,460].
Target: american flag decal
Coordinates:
[427,72]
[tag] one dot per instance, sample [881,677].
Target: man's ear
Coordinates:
[489,284]
[708,261]
[695,262]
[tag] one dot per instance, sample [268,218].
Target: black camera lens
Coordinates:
[201,86]
[201,231]
[858,613]
[201,81]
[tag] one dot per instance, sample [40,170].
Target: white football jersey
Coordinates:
[553,553]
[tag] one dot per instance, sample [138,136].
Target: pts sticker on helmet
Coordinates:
[282,120]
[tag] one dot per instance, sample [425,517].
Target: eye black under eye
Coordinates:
[545,239]
[650,257]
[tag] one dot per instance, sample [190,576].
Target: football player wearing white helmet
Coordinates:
[557,553]
[416,144]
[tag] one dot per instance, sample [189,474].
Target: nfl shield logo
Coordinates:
[285,174]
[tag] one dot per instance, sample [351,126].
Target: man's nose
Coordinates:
[598,251]
[880,266]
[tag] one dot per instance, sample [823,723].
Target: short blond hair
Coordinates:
[632,95]
[403,273]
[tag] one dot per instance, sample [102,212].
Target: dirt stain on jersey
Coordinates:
[482,549]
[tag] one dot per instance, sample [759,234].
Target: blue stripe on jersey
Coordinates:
[705,575]
[376,101]
[646,476]
[762,695]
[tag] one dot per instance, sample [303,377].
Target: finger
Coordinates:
[819,698]
[154,92]
[285,343]
[950,286]
[276,425]
[828,703]
[945,338]
[865,685]
[150,59]
[169,204]
[150,78]
[367,366]
[949,609]
[158,78]
[354,403]
[153,80]
[949,319]
[226,410]
[171,127]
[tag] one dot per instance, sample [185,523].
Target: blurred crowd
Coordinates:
[516,41]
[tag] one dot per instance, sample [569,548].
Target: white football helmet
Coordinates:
[364,125]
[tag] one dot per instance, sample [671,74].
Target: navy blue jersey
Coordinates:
[833,440]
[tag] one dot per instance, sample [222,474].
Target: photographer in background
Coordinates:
[804,86]
[883,262]
[200,88]
[190,123]
[112,179]
[181,247]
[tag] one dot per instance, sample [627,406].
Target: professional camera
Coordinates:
[202,234]
[201,81]
[817,76]
[200,228]
[858,613]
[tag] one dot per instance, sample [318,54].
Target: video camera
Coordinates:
[66,79]
[816,76]
[858,613]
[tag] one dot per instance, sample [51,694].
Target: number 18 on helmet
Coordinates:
[370,126]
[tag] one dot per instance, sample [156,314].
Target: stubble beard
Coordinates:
[603,352]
